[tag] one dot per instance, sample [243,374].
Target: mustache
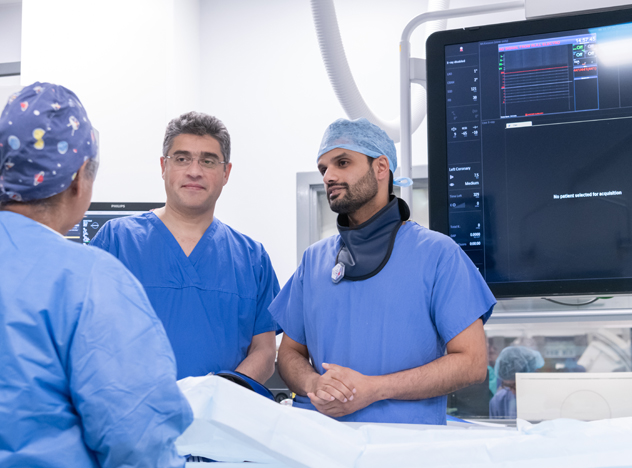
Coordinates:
[341,185]
[338,185]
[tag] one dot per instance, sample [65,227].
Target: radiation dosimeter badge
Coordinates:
[338,272]
[246,382]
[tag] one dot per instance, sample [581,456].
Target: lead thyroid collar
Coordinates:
[365,249]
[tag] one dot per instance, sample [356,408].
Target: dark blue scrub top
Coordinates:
[212,302]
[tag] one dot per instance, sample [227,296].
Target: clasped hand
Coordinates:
[341,391]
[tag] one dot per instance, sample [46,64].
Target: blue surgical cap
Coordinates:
[361,136]
[45,137]
[517,359]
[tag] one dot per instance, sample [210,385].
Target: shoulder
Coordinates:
[322,252]
[109,280]
[106,264]
[420,236]
[429,250]
[75,275]
[239,242]
[129,223]
[39,250]
[87,257]
[83,260]
[323,245]
[119,230]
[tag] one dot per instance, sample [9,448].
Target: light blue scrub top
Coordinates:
[212,302]
[87,376]
[401,318]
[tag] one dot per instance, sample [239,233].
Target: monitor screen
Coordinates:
[99,213]
[530,151]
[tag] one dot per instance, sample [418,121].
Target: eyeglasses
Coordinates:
[185,161]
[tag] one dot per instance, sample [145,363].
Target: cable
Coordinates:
[575,305]
[341,78]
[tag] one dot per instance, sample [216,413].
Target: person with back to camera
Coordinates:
[209,284]
[88,376]
[377,307]
[511,360]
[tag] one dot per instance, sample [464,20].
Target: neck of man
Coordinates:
[59,217]
[187,226]
[369,209]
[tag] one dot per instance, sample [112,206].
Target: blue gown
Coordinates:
[401,318]
[87,376]
[503,405]
[212,302]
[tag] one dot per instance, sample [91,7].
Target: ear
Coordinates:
[382,168]
[163,162]
[82,183]
[227,169]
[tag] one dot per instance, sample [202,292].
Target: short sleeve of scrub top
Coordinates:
[268,289]
[458,289]
[287,308]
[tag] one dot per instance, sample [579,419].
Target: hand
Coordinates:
[334,384]
[341,391]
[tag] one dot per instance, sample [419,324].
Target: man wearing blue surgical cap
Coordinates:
[87,374]
[510,361]
[390,313]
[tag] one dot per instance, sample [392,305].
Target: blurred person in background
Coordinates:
[511,360]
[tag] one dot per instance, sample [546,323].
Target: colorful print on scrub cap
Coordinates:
[45,137]
[364,137]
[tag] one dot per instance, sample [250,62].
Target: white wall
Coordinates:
[134,64]
[10,45]
[255,64]
[10,31]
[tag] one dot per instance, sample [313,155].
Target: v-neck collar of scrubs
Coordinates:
[171,241]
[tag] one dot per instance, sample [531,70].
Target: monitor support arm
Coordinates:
[413,70]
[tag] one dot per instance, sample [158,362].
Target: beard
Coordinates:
[356,195]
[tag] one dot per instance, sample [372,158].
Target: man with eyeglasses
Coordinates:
[209,284]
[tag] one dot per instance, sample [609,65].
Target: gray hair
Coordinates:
[90,171]
[91,168]
[197,123]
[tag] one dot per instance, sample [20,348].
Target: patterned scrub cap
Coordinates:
[45,137]
[364,137]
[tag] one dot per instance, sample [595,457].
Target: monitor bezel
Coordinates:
[437,136]
[124,206]
[116,209]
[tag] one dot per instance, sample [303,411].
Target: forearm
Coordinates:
[258,366]
[439,377]
[259,363]
[296,371]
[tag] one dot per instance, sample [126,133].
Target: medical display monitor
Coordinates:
[99,213]
[530,151]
